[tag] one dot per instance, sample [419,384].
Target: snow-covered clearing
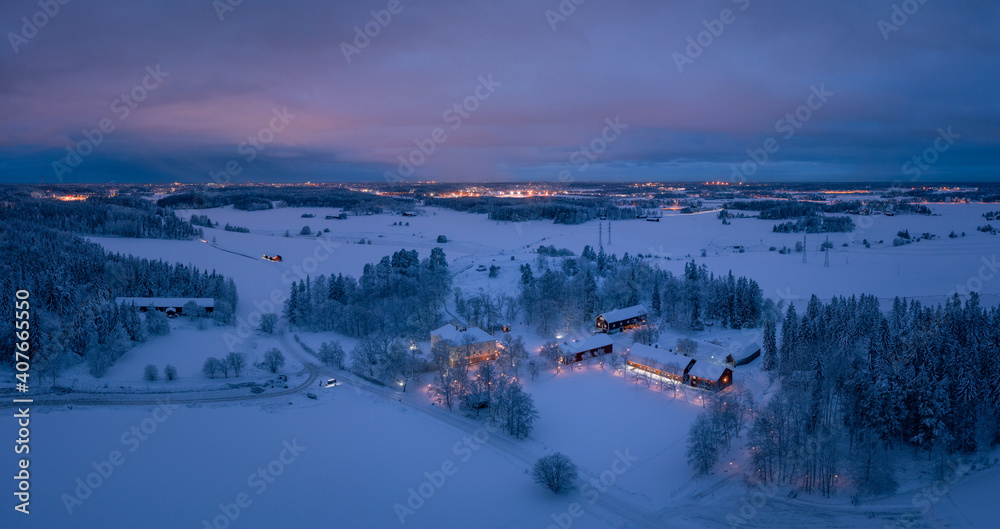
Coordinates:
[364,452]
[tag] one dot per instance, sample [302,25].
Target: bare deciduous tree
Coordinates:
[555,472]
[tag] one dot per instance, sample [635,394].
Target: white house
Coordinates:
[472,344]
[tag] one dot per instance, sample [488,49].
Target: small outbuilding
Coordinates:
[622,319]
[745,356]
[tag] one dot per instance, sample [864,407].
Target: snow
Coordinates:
[707,370]
[624,314]
[166,302]
[658,358]
[585,344]
[364,451]
[457,336]
[360,457]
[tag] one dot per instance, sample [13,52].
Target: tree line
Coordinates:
[560,210]
[118,216]
[252,197]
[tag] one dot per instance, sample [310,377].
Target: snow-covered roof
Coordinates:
[165,302]
[657,358]
[624,314]
[747,351]
[452,334]
[707,371]
[586,344]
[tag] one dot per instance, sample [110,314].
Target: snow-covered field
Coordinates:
[364,451]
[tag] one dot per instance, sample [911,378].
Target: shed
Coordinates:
[589,347]
[745,356]
[621,319]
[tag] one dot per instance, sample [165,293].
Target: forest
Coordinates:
[73,285]
[400,295]
[859,386]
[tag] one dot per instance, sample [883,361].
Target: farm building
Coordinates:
[709,376]
[465,344]
[745,356]
[621,319]
[659,362]
[172,306]
[589,347]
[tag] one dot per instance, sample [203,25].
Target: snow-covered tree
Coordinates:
[268,322]
[274,360]
[236,362]
[332,354]
[703,449]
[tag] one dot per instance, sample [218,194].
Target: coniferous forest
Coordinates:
[75,282]
[857,384]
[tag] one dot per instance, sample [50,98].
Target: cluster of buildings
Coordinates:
[473,345]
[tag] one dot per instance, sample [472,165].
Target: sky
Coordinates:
[519,90]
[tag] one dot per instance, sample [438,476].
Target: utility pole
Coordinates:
[609,233]
[805,249]
[600,235]
[826,247]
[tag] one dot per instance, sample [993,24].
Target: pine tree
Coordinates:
[789,345]
[770,360]
[656,304]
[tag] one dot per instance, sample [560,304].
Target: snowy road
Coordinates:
[153,399]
